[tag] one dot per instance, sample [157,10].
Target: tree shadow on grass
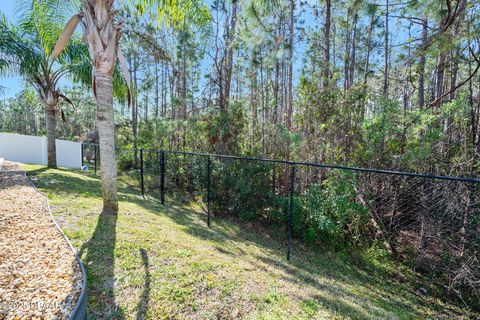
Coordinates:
[381,303]
[38,171]
[142,306]
[99,263]
[98,253]
[65,181]
[306,266]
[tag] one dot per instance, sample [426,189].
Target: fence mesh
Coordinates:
[247,189]
[185,176]
[431,222]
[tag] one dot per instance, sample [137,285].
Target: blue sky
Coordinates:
[12,84]
[7,8]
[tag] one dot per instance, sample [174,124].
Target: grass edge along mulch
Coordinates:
[163,262]
[40,276]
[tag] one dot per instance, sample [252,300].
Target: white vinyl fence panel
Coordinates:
[32,149]
[69,154]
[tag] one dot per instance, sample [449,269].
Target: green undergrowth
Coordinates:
[162,262]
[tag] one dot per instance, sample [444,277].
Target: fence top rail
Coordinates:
[318,165]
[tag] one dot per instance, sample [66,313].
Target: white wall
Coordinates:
[31,149]
[69,154]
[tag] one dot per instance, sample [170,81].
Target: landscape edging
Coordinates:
[80,310]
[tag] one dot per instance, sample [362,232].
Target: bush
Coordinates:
[329,212]
[243,188]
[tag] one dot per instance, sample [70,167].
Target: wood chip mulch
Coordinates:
[39,275]
[11,166]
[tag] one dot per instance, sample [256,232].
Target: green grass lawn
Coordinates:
[163,262]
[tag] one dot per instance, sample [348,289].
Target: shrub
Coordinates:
[329,211]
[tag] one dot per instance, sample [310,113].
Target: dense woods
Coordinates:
[378,84]
[391,85]
[323,82]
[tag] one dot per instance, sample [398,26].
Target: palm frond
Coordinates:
[67,33]
[18,52]
[79,64]
[44,20]
[25,48]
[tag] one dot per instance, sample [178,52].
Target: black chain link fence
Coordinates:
[433,222]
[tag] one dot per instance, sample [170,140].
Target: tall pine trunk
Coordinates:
[326,53]
[290,69]
[229,58]
[346,56]
[288,120]
[353,50]
[386,55]
[368,45]
[156,90]
[421,65]
[440,78]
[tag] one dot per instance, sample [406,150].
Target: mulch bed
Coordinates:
[39,275]
[11,166]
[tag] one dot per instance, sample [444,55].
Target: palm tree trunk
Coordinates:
[51,122]
[106,130]
[102,36]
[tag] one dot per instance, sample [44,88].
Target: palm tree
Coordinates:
[102,32]
[26,50]
[102,36]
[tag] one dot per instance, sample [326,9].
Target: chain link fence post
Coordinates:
[290,210]
[95,151]
[162,177]
[81,152]
[141,172]
[209,173]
